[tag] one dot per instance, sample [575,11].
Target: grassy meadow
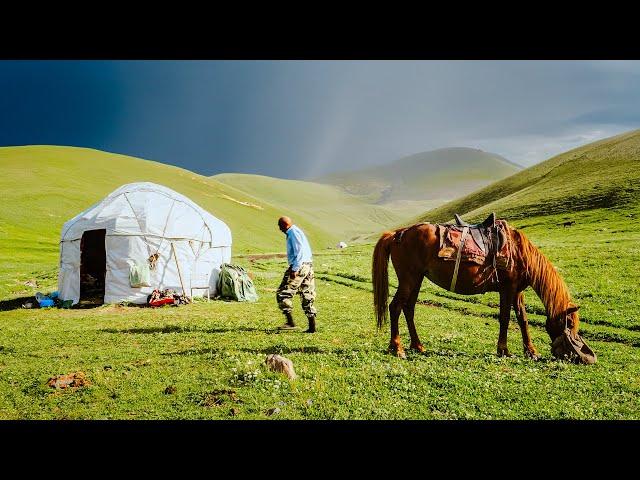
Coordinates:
[213,354]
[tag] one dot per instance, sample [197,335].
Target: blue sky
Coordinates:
[300,119]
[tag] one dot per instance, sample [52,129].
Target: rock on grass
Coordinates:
[281,364]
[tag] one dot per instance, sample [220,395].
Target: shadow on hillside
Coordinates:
[180,329]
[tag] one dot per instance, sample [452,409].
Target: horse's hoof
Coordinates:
[418,347]
[504,352]
[401,354]
[535,356]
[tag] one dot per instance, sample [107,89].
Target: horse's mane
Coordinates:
[543,277]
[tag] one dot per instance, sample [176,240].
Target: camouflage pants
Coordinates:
[304,284]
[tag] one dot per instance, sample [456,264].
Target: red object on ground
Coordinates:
[162,301]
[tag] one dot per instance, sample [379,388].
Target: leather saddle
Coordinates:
[484,240]
[489,222]
[481,232]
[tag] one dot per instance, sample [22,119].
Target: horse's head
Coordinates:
[567,319]
[565,341]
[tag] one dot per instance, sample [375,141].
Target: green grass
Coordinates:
[207,349]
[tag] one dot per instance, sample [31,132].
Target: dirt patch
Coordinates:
[246,204]
[253,258]
[70,380]
[142,363]
[219,397]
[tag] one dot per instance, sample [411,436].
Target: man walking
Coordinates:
[299,276]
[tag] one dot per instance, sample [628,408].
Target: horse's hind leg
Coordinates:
[395,308]
[409,311]
[518,305]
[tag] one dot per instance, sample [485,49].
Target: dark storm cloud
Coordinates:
[298,119]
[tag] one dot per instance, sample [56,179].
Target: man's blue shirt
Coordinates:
[298,249]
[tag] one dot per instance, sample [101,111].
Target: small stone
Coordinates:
[273,411]
[108,367]
[170,390]
[234,411]
[281,364]
[309,402]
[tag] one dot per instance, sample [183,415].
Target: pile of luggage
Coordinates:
[168,296]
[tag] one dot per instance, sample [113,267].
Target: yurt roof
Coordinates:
[149,209]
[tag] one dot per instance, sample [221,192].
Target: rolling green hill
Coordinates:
[44,186]
[601,174]
[424,180]
[344,214]
[41,187]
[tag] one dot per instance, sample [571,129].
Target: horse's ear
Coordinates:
[572,308]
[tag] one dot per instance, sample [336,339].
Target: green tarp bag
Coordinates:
[234,284]
[139,274]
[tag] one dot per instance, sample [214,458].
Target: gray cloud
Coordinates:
[299,119]
[526,111]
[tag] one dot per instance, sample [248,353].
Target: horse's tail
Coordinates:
[380,274]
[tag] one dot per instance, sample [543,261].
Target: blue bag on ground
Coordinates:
[234,284]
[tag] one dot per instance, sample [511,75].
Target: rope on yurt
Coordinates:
[154,258]
[146,242]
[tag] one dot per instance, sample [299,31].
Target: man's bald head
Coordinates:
[284,223]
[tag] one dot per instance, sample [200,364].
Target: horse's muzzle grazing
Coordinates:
[571,346]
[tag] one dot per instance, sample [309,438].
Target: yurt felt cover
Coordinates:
[142,219]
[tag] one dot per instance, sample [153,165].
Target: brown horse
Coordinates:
[414,253]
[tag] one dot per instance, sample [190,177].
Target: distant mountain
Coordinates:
[603,174]
[424,180]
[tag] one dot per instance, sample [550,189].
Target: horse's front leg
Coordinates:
[518,306]
[506,300]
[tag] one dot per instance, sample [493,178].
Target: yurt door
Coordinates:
[93,265]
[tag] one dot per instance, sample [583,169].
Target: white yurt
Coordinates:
[141,237]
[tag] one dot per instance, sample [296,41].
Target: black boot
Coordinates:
[312,324]
[290,324]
